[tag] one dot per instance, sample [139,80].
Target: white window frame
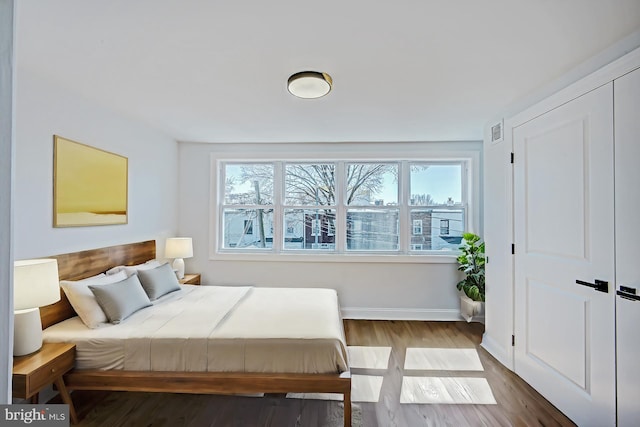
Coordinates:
[467,153]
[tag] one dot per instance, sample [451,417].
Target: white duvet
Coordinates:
[221,329]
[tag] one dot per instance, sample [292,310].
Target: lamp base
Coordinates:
[178,264]
[27,331]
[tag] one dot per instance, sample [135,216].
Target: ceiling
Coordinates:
[403,70]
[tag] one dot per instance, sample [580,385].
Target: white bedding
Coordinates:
[221,329]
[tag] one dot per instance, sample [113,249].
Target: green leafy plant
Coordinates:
[471,262]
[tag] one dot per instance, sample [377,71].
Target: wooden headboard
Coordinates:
[80,265]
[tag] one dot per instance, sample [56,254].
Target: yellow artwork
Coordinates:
[89,185]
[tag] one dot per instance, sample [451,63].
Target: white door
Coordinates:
[627,148]
[564,232]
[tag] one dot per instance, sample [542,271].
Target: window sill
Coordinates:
[335,258]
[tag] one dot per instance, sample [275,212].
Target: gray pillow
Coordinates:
[121,299]
[158,281]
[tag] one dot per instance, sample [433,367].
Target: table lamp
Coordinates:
[178,248]
[35,284]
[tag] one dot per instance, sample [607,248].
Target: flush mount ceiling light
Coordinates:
[309,84]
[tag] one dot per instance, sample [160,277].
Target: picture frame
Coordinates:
[90,185]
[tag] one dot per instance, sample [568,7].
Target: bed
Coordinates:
[266,340]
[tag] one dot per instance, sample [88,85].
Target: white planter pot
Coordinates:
[471,310]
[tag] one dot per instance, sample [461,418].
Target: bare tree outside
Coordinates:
[368,190]
[422,200]
[311,186]
[315,184]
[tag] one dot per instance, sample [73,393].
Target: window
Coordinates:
[310,201]
[436,195]
[248,199]
[371,199]
[390,207]
[444,227]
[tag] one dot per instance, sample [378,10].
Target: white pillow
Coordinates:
[132,269]
[84,302]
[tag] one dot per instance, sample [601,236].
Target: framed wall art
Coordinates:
[90,186]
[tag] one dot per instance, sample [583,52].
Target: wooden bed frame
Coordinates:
[79,265]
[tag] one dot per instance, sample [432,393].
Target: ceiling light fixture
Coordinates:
[309,84]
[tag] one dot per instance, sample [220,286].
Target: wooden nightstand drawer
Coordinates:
[59,366]
[32,372]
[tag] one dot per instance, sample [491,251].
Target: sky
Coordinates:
[440,181]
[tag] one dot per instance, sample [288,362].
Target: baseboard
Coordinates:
[400,314]
[502,355]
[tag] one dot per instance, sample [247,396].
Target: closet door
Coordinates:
[627,149]
[564,241]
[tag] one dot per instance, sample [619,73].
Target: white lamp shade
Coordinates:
[35,283]
[178,247]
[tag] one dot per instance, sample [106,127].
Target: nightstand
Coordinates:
[191,279]
[31,373]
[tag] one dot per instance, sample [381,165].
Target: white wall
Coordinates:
[411,290]
[6,203]
[44,109]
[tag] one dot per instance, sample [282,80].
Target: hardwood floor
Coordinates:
[516,403]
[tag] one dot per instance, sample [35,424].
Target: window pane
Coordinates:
[372,229]
[372,184]
[433,184]
[248,184]
[441,229]
[432,210]
[309,229]
[248,228]
[310,185]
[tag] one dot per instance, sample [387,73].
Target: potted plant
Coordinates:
[471,262]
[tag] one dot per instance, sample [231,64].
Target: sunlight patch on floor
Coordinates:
[443,359]
[369,357]
[451,390]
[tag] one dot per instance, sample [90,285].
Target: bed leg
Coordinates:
[347,409]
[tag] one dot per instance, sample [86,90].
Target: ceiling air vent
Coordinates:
[496,132]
